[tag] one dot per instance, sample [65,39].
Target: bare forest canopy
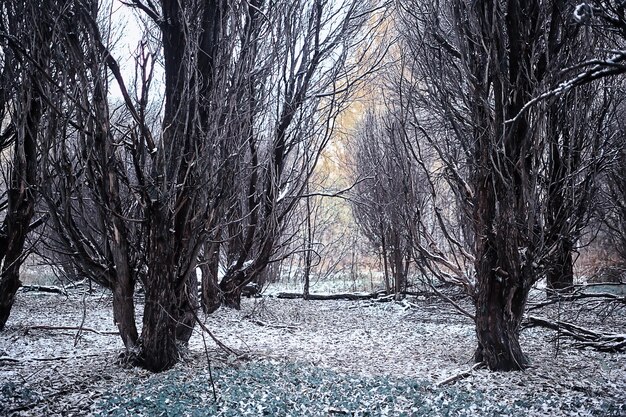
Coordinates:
[189,153]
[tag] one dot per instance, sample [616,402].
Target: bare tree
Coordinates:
[388,201]
[313,76]
[473,71]
[27,35]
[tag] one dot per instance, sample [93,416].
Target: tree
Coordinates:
[27,33]
[474,70]
[131,200]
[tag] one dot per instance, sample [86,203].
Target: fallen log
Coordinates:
[340,296]
[44,288]
[605,342]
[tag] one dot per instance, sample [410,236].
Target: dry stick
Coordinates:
[611,342]
[215,339]
[461,375]
[206,352]
[55,358]
[82,322]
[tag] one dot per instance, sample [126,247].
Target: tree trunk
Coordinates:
[159,351]
[384,255]
[501,286]
[309,248]
[124,313]
[158,337]
[560,277]
[231,287]
[211,293]
[187,310]
[398,269]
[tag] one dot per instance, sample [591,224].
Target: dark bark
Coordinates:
[342,296]
[124,313]
[504,220]
[231,287]
[502,286]
[209,265]
[158,337]
[308,255]
[188,310]
[560,275]
[175,229]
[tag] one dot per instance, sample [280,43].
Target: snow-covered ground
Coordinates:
[46,371]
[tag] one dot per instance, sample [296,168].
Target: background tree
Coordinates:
[388,199]
[312,78]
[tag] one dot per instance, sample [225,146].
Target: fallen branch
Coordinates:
[579,296]
[461,375]
[605,342]
[215,339]
[50,359]
[44,288]
[76,328]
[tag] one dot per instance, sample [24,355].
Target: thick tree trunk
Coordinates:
[9,284]
[502,286]
[158,337]
[498,325]
[159,351]
[231,287]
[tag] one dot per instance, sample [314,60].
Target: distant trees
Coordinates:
[387,198]
[312,62]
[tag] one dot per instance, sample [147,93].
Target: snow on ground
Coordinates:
[355,347]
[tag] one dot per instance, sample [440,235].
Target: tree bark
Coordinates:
[502,284]
[560,276]
[231,287]
[187,310]
[124,313]
[211,293]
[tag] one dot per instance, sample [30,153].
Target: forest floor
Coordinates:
[296,358]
